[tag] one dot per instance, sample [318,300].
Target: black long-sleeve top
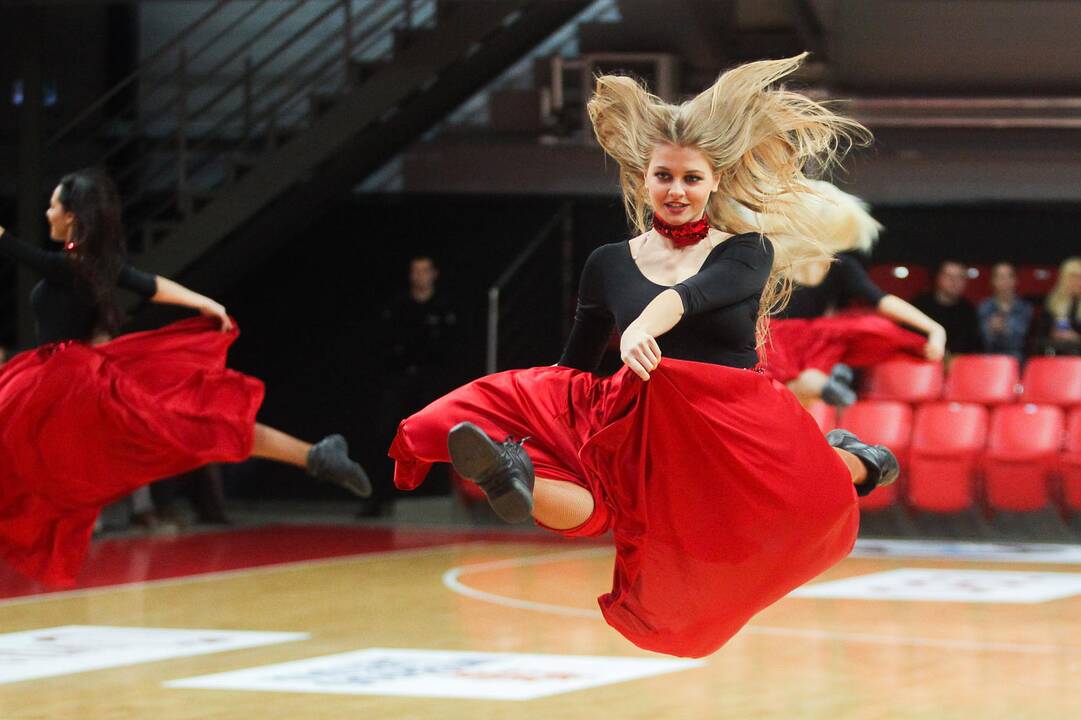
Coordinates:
[720,304]
[844,281]
[960,320]
[419,336]
[64,310]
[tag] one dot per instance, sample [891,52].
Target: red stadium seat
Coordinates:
[1035,280]
[1070,468]
[983,379]
[825,415]
[978,286]
[904,281]
[1021,451]
[946,440]
[882,422]
[1052,381]
[905,381]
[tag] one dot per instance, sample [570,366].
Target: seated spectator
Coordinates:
[1004,317]
[1064,310]
[947,306]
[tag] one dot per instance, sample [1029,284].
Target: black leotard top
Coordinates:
[720,304]
[845,280]
[63,310]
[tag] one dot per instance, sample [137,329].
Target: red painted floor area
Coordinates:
[116,561]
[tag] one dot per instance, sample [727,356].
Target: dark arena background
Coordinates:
[396,197]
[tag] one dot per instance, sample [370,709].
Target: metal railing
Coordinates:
[81,120]
[232,80]
[560,226]
[563,44]
[270,121]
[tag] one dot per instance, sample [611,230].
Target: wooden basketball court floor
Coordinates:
[351,588]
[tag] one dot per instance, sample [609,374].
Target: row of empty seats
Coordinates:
[981,437]
[981,379]
[907,281]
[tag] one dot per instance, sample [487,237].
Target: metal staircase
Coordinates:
[259,115]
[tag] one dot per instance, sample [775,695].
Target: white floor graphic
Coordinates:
[987,586]
[440,673]
[78,648]
[970,551]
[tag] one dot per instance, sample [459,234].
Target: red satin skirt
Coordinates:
[721,492]
[83,426]
[856,340]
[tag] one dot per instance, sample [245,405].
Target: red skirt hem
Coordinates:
[856,340]
[720,490]
[83,426]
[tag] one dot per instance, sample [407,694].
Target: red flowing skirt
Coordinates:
[856,340]
[721,492]
[83,426]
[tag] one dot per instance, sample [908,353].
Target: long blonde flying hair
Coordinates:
[757,137]
[1059,299]
[845,220]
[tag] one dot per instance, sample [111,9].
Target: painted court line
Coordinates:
[452,581]
[236,573]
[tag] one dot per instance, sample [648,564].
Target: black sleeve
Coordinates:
[40,260]
[134,279]
[925,303]
[739,273]
[593,320]
[855,282]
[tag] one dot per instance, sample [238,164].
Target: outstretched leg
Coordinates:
[327,460]
[561,505]
[856,468]
[504,471]
[871,466]
[807,387]
[275,445]
[835,388]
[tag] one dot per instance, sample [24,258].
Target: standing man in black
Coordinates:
[947,306]
[419,331]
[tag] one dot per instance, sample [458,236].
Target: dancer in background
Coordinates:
[811,349]
[86,424]
[722,493]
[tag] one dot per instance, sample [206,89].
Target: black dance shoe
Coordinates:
[881,463]
[842,373]
[503,471]
[838,388]
[329,460]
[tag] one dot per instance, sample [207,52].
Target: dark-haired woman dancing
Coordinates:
[82,424]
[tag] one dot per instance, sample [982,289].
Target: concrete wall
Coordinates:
[918,167]
[962,46]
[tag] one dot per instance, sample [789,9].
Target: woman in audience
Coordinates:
[1004,317]
[1064,310]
